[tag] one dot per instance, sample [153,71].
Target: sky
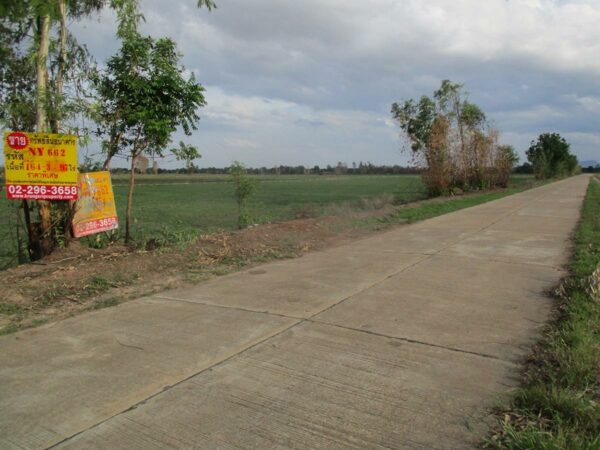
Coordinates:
[311,82]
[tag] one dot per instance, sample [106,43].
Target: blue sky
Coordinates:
[312,82]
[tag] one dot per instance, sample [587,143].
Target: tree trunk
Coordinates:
[115,139]
[41,80]
[41,126]
[130,200]
[55,122]
[106,165]
[34,248]
[464,158]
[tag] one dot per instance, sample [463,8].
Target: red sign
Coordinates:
[17,141]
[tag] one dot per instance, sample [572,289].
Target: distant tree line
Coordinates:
[591,169]
[339,169]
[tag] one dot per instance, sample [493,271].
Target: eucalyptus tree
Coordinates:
[38,57]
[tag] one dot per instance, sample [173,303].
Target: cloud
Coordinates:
[240,143]
[324,73]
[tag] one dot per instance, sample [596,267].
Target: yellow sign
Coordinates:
[40,166]
[95,209]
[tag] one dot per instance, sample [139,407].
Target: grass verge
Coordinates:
[431,209]
[558,406]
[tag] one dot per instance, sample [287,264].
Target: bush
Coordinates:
[244,189]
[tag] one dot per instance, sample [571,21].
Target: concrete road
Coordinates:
[400,340]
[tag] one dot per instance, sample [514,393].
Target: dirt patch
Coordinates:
[78,278]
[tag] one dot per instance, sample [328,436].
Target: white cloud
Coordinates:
[289,76]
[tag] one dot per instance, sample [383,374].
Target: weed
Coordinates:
[9,329]
[305,212]
[54,293]
[98,284]
[106,303]
[10,309]
[377,202]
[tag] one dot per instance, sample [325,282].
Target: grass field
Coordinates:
[179,207]
[207,204]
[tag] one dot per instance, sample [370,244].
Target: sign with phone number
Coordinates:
[95,210]
[40,166]
[95,226]
[39,192]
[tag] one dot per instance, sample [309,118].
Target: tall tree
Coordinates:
[37,50]
[143,99]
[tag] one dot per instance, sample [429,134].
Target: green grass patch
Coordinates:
[106,303]
[558,407]
[445,206]
[10,309]
[9,329]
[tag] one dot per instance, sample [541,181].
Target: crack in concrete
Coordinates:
[410,341]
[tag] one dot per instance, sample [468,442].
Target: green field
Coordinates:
[172,206]
[207,203]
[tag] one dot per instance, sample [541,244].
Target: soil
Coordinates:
[78,278]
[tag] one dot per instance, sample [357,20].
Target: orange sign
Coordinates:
[40,166]
[95,209]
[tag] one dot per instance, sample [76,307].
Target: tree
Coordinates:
[209,4]
[450,136]
[44,74]
[507,160]
[143,98]
[416,120]
[244,187]
[187,153]
[17,79]
[37,57]
[551,157]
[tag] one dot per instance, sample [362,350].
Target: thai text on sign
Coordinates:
[95,209]
[40,166]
